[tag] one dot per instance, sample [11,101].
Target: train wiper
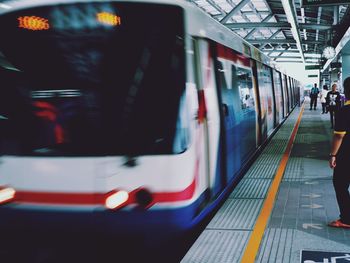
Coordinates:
[130,161]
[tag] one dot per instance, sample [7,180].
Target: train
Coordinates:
[128,117]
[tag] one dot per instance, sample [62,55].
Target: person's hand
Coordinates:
[332,162]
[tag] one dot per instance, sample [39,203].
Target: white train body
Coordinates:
[216,131]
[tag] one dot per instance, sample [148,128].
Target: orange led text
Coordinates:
[33,23]
[109,19]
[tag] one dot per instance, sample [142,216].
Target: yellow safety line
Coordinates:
[261,222]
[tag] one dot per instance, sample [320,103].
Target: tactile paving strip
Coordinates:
[276,246]
[251,188]
[269,159]
[236,214]
[262,171]
[278,146]
[309,138]
[215,246]
[294,170]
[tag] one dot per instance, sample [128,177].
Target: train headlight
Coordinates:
[117,199]
[6,194]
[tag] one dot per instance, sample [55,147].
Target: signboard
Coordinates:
[312,67]
[309,256]
[324,2]
[312,76]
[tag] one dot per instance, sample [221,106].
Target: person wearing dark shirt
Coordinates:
[333,103]
[313,97]
[339,159]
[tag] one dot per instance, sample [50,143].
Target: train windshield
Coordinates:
[92,79]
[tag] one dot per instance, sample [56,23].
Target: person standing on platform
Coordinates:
[333,103]
[323,96]
[339,160]
[313,96]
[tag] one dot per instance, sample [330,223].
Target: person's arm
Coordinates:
[337,141]
[327,98]
[338,99]
[339,133]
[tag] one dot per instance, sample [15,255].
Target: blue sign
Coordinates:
[309,256]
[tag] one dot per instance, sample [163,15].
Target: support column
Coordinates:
[345,66]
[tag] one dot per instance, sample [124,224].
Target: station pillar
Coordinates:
[345,68]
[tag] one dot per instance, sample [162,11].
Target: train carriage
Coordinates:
[127,116]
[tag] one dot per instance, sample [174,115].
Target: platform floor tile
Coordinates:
[306,199]
[261,171]
[236,214]
[251,188]
[217,246]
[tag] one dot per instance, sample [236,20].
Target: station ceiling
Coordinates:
[283,29]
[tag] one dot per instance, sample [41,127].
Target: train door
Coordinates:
[285,95]
[274,100]
[278,96]
[266,99]
[209,122]
[291,92]
[238,104]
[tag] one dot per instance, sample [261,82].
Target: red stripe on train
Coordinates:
[99,198]
[229,54]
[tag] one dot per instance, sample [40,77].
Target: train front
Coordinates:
[93,119]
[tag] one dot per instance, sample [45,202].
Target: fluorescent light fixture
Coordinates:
[303,20]
[312,55]
[290,13]
[302,14]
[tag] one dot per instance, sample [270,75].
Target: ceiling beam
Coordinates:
[217,7]
[319,13]
[258,24]
[289,9]
[272,37]
[289,61]
[271,41]
[281,50]
[285,57]
[234,10]
[282,41]
[254,30]
[315,26]
[277,25]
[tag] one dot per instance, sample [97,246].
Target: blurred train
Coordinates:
[129,117]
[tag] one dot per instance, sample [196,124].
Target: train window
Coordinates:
[221,70]
[266,98]
[245,86]
[278,96]
[88,87]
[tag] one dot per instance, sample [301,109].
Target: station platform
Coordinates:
[280,209]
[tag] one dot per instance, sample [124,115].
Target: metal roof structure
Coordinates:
[282,29]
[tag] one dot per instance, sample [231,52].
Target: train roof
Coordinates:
[198,23]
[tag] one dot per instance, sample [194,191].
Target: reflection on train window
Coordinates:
[222,78]
[245,86]
[87,88]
